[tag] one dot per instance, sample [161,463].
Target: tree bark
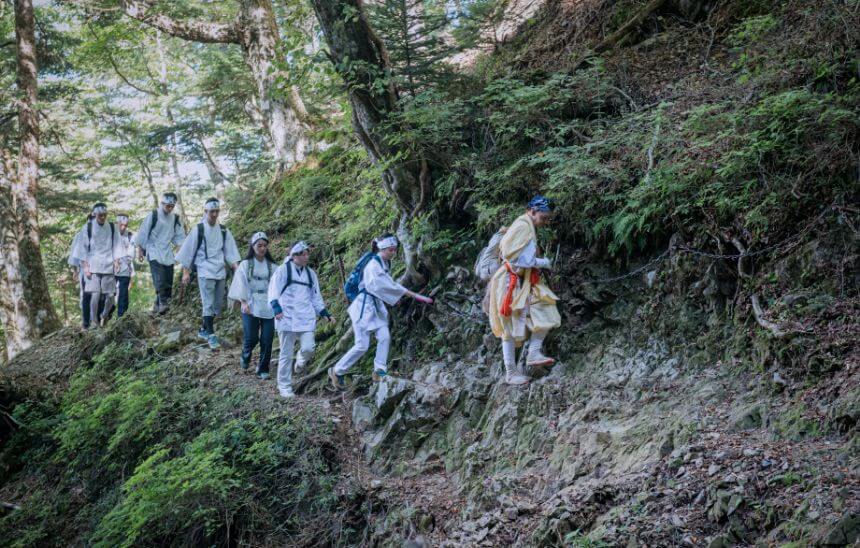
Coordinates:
[361,60]
[284,117]
[28,312]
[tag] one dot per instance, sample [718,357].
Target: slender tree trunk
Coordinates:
[26,287]
[283,116]
[362,61]
[172,148]
[260,41]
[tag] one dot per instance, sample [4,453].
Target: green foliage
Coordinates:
[133,455]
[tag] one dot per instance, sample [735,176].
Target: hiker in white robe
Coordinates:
[250,288]
[98,251]
[295,297]
[369,312]
[208,254]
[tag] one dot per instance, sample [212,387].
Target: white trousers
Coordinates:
[285,359]
[362,344]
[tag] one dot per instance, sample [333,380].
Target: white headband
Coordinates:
[168,200]
[99,209]
[122,218]
[212,204]
[385,243]
[258,236]
[300,246]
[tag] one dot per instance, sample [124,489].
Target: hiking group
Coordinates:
[287,298]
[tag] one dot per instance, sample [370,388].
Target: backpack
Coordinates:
[251,268]
[351,285]
[290,280]
[202,240]
[155,222]
[90,237]
[488,260]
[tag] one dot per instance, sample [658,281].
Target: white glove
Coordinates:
[543,263]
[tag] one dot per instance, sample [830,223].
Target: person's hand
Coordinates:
[141,256]
[115,266]
[186,277]
[423,299]
[279,316]
[234,266]
[87,272]
[544,263]
[246,308]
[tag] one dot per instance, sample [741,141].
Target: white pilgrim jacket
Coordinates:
[300,304]
[376,290]
[213,253]
[99,251]
[166,234]
[253,289]
[126,258]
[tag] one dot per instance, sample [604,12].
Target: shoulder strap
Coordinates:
[89,236]
[200,240]
[175,221]
[153,220]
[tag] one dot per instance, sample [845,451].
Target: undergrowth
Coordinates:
[133,455]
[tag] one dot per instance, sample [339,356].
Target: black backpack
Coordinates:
[202,241]
[291,281]
[155,222]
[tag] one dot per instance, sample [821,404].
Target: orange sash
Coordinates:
[534,278]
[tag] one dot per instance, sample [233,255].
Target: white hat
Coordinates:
[122,218]
[169,198]
[258,236]
[385,243]
[99,208]
[212,204]
[300,246]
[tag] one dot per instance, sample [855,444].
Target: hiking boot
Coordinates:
[262,375]
[378,374]
[287,393]
[298,366]
[161,309]
[537,359]
[513,377]
[244,362]
[336,380]
[203,334]
[213,342]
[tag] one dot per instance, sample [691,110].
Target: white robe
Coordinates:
[213,253]
[368,311]
[126,258]
[299,303]
[253,291]
[166,234]
[99,252]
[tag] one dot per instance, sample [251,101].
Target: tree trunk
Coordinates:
[361,59]
[24,272]
[260,41]
[283,115]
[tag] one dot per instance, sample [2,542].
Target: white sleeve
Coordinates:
[231,251]
[178,233]
[118,245]
[275,284]
[74,253]
[143,232]
[239,288]
[186,252]
[527,257]
[79,246]
[379,283]
[317,298]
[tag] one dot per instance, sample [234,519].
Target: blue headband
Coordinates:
[539,203]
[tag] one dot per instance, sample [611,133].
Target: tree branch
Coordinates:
[195,31]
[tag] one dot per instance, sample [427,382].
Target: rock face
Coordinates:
[633,437]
